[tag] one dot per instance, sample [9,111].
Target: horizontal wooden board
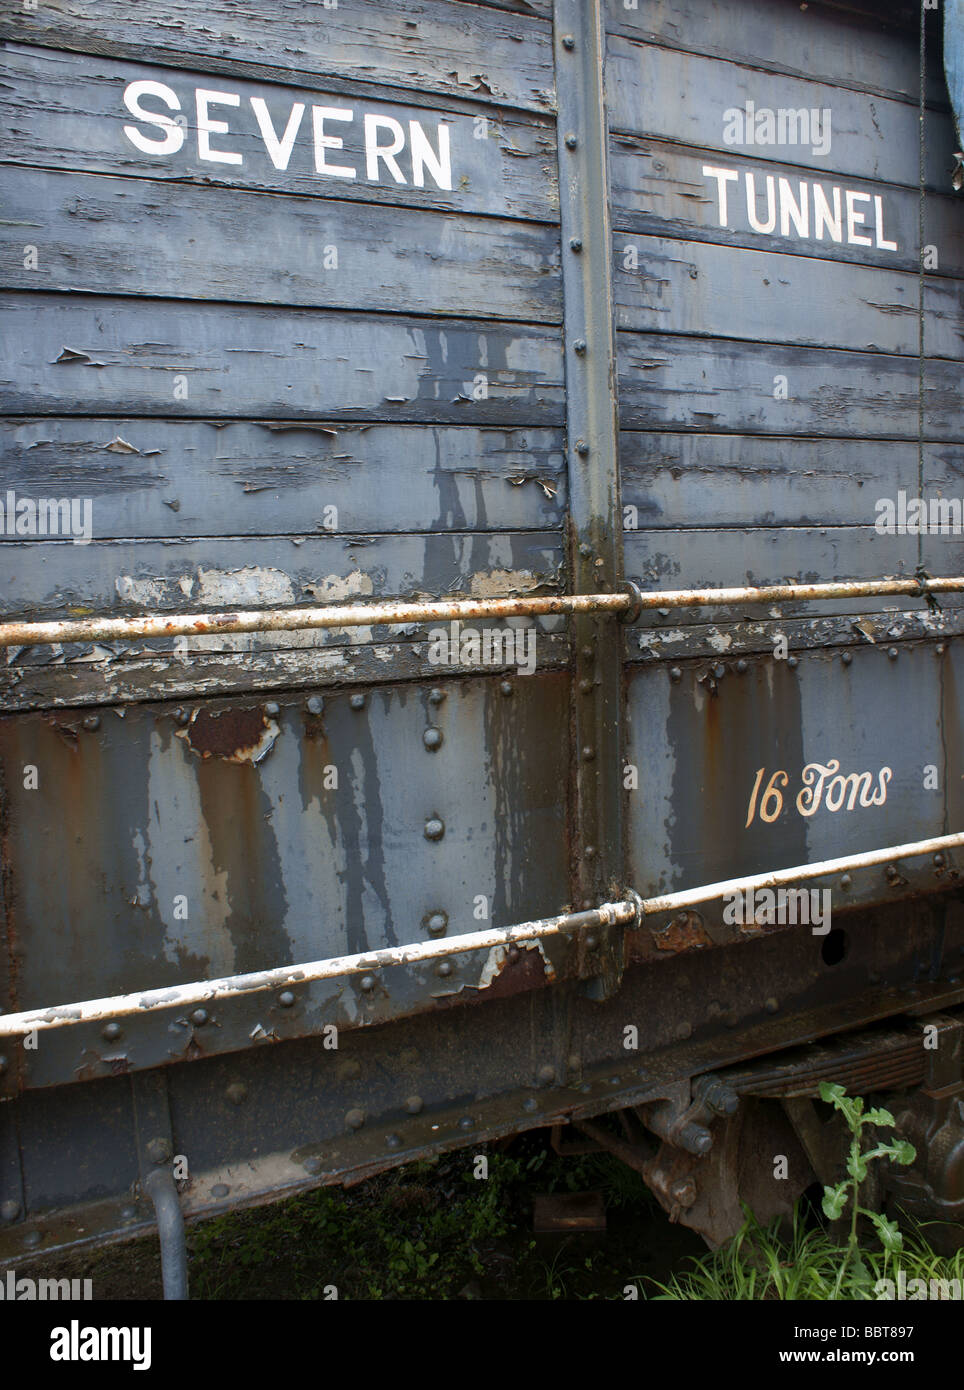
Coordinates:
[108,235]
[784,36]
[683,97]
[708,384]
[118,577]
[694,558]
[722,291]
[180,478]
[660,189]
[124,356]
[734,480]
[67,111]
[425,45]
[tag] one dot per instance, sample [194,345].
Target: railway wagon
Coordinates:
[480,573]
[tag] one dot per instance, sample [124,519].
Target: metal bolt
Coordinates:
[434,829]
[893,653]
[199,1017]
[315,704]
[113,1031]
[590,851]
[236,1092]
[683,1191]
[793,662]
[846,658]
[771,1005]
[92,722]
[466,1122]
[367,983]
[547,1075]
[575,244]
[684,1031]
[568,42]
[9,1210]
[571,141]
[530,1103]
[220,1189]
[158,1150]
[939,649]
[506,687]
[588,653]
[591,940]
[719,670]
[312,1165]
[891,871]
[414,1104]
[357,701]
[432,738]
[355,1119]
[393,1141]
[272,708]
[286,999]
[579,346]
[742,666]
[585,550]
[938,861]
[436,696]
[437,923]
[588,754]
[444,969]
[32,1238]
[586,687]
[663,612]
[845,881]
[513,954]
[675,674]
[582,448]
[181,716]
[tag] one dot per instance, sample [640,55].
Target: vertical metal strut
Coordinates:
[594,523]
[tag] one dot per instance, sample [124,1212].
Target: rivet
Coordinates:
[675,674]
[393,1141]
[742,666]
[466,1122]
[434,829]
[585,550]
[846,658]
[181,716]
[571,141]
[199,1017]
[9,1210]
[414,1105]
[530,1103]
[437,923]
[220,1189]
[432,738]
[575,244]
[286,999]
[236,1092]
[158,1150]
[357,701]
[436,696]
[568,42]
[845,881]
[714,1009]
[582,448]
[587,904]
[547,1075]
[579,346]
[938,861]
[272,708]
[591,940]
[793,662]
[367,983]
[312,1166]
[684,1031]
[893,653]
[128,1213]
[588,754]
[663,612]
[113,1031]
[355,1119]
[31,1239]
[506,687]
[590,851]
[586,687]
[588,653]
[771,1005]
[444,968]
[939,649]
[719,670]
[315,704]
[92,722]
[891,871]
[513,954]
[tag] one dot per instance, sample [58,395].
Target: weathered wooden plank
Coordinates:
[180,478]
[685,98]
[723,291]
[67,111]
[784,36]
[118,577]
[202,675]
[108,235]
[661,189]
[668,382]
[735,480]
[425,45]
[706,558]
[124,356]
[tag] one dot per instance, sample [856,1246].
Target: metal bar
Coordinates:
[628,601]
[594,521]
[162,1191]
[610,914]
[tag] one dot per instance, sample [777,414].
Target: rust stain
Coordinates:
[684,933]
[235,735]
